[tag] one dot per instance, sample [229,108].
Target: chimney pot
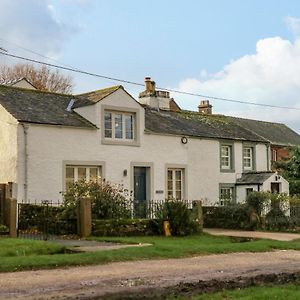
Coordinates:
[149,85]
[205,107]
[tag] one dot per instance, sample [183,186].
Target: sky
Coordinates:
[238,49]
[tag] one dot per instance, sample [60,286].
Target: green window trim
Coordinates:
[231,168]
[253,157]
[227,186]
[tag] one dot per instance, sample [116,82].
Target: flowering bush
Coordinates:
[108,201]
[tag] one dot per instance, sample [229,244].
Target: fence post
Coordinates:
[85,217]
[11,216]
[197,207]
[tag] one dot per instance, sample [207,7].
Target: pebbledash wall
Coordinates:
[44,150]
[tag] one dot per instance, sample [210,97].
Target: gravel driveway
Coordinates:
[93,282]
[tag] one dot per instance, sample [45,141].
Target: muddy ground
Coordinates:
[149,278]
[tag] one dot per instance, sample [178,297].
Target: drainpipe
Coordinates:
[25,131]
[268,158]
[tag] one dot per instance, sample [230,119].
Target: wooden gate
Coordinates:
[3,188]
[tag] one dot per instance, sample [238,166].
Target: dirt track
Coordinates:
[97,281]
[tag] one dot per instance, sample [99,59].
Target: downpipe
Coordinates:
[25,131]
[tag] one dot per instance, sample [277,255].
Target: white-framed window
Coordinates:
[274,154]
[175,184]
[226,195]
[119,125]
[76,173]
[248,158]
[226,157]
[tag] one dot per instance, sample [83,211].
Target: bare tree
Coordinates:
[42,78]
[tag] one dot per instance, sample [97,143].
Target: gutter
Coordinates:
[25,131]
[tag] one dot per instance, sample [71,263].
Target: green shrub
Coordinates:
[3,229]
[277,220]
[234,216]
[257,201]
[182,219]
[108,201]
[125,227]
[294,187]
[45,218]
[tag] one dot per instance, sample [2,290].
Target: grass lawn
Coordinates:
[30,254]
[280,292]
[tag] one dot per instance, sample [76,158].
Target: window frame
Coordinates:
[174,189]
[184,184]
[249,190]
[274,155]
[123,115]
[231,167]
[73,163]
[227,186]
[125,111]
[252,157]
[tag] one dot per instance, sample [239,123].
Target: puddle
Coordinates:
[238,239]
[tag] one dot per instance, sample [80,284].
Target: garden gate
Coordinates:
[44,220]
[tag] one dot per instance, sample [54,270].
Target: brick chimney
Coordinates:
[205,107]
[149,85]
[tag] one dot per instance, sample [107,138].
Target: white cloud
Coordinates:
[34,24]
[293,24]
[271,75]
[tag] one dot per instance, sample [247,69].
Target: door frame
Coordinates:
[149,177]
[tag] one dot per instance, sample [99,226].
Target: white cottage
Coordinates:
[150,147]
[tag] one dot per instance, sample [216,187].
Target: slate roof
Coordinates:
[34,106]
[95,96]
[197,125]
[254,178]
[275,133]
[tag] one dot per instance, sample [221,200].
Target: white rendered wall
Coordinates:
[8,147]
[49,147]
[241,192]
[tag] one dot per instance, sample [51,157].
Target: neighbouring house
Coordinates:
[150,147]
[22,83]
[281,137]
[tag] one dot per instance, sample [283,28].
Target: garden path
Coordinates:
[279,236]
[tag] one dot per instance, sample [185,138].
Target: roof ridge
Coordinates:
[112,88]
[35,91]
[262,121]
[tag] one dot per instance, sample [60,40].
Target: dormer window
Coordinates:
[119,125]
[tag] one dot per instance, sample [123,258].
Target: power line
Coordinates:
[31,51]
[71,69]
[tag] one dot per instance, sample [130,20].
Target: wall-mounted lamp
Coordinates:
[184,140]
[125,173]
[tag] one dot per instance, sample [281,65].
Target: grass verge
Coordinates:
[174,247]
[280,292]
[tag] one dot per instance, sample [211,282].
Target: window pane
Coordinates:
[69,177]
[128,126]
[178,195]
[94,174]
[81,173]
[70,172]
[170,185]
[108,125]
[118,126]
[226,157]
[226,195]
[225,151]
[178,185]
[170,174]
[178,174]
